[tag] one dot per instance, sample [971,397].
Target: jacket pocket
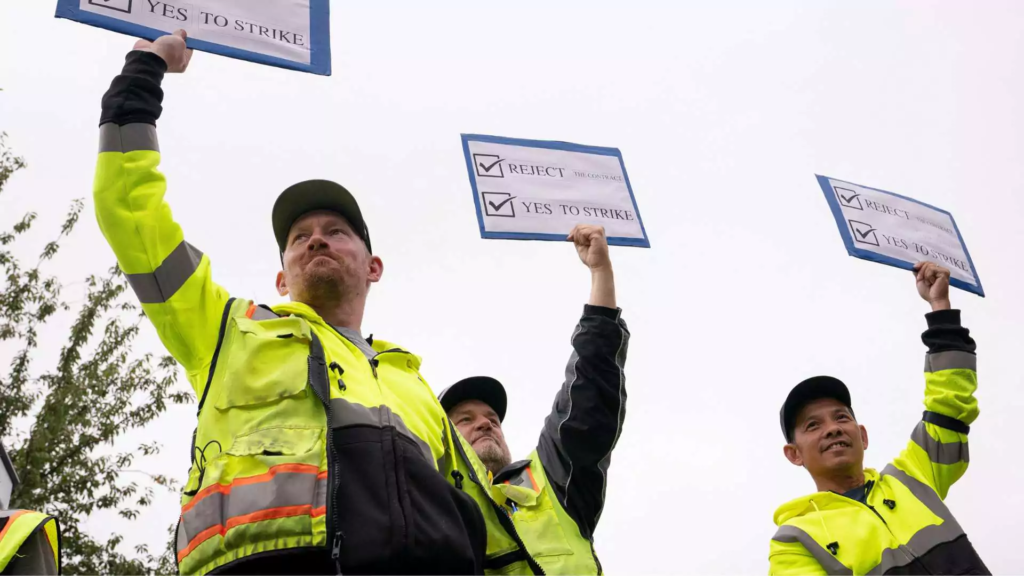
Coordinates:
[270,474]
[397,513]
[267,362]
[541,531]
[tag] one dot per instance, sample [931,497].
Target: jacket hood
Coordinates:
[802,505]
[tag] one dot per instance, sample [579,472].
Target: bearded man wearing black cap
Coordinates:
[317,450]
[862,521]
[542,511]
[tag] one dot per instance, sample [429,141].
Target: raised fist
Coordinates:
[171,48]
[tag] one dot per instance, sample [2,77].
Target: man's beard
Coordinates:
[324,286]
[494,457]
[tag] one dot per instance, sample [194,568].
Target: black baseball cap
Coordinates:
[809,390]
[311,195]
[482,388]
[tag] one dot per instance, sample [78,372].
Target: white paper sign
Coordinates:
[539,190]
[291,34]
[891,229]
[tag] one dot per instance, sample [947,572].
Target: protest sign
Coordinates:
[295,34]
[891,229]
[539,190]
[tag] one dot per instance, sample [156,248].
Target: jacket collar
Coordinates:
[802,506]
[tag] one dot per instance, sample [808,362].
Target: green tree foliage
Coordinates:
[60,425]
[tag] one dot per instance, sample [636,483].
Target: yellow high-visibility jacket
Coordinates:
[541,512]
[29,543]
[904,527]
[308,456]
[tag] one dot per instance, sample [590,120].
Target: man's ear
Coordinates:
[376,269]
[793,454]
[864,436]
[282,286]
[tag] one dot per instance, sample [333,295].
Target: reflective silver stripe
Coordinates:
[128,138]
[158,287]
[940,452]
[926,538]
[950,360]
[792,534]
[283,489]
[346,413]
[261,313]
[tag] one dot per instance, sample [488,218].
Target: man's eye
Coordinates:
[300,238]
[811,426]
[843,417]
[337,231]
[463,420]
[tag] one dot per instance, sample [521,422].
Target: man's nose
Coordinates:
[834,430]
[316,242]
[484,425]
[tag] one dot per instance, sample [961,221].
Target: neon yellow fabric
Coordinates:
[550,535]
[257,410]
[914,482]
[22,525]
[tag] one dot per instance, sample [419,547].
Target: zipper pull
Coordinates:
[458,479]
[336,550]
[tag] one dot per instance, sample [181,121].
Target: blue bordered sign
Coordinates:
[295,34]
[891,229]
[539,190]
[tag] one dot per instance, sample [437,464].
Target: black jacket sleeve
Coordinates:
[585,423]
[135,96]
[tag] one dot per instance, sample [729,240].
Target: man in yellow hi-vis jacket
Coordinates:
[895,521]
[316,450]
[29,541]
[542,511]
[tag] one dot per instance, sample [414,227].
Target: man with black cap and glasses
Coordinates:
[541,512]
[862,521]
[317,451]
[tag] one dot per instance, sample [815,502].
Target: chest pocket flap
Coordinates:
[266,361]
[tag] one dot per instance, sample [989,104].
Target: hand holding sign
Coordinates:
[171,48]
[933,284]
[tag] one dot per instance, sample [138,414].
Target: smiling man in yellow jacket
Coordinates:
[316,450]
[862,521]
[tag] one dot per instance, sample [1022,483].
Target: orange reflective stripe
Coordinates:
[269,514]
[226,488]
[317,512]
[10,522]
[533,480]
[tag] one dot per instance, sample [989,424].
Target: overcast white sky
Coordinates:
[724,111]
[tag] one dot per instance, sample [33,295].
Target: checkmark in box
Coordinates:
[864,233]
[489,165]
[117,5]
[848,198]
[499,204]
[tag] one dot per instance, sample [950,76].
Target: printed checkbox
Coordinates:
[116,5]
[849,198]
[864,233]
[489,165]
[499,204]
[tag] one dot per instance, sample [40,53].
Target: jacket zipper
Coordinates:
[886,524]
[332,467]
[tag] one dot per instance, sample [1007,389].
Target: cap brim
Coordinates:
[312,195]
[482,388]
[809,390]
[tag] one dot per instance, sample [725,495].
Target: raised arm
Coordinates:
[170,277]
[937,453]
[585,423]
